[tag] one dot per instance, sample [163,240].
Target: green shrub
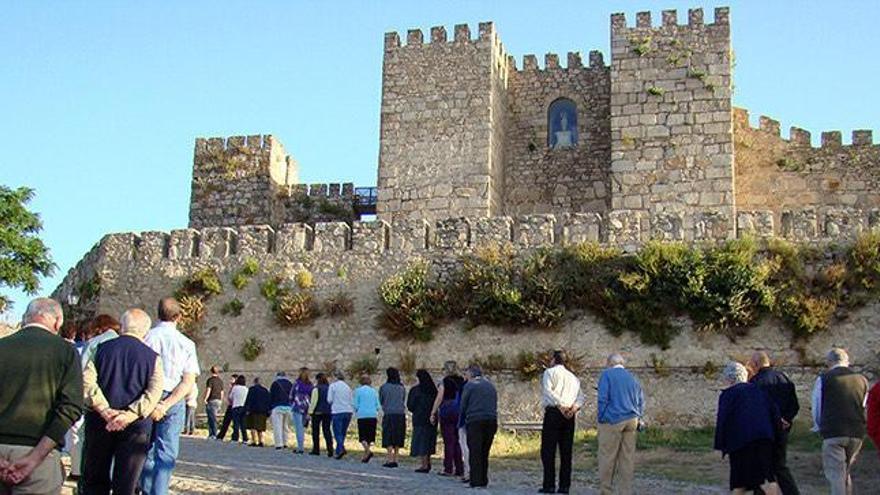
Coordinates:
[295,309]
[203,283]
[233,307]
[527,366]
[364,365]
[339,304]
[864,262]
[252,348]
[242,277]
[411,306]
[273,287]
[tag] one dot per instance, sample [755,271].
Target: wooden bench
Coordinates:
[517,426]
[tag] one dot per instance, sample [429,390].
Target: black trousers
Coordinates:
[321,423]
[780,466]
[556,432]
[480,435]
[227,420]
[125,451]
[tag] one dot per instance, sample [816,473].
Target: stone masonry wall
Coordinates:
[542,180]
[235,181]
[671,131]
[138,269]
[435,153]
[833,187]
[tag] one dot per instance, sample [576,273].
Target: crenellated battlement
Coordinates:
[669,19]
[799,137]
[574,61]
[438,36]
[234,143]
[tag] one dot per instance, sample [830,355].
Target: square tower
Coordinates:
[671,125]
[442,125]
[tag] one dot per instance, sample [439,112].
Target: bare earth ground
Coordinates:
[207,466]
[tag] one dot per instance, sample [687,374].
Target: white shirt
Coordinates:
[178,353]
[339,397]
[561,388]
[237,395]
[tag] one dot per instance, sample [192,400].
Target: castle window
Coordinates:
[562,127]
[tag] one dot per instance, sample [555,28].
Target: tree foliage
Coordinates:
[23,256]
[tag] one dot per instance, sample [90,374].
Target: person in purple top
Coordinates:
[300,400]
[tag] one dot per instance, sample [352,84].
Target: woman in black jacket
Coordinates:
[420,403]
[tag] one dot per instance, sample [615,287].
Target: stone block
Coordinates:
[255,240]
[624,228]
[581,227]
[712,225]
[667,226]
[452,233]
[492,231]
[842,223]
[151,247]
[800,225]
[757,223]
[217,242]
[332,237]
[293,238]
[370,237]
[534,230]
[117,247]
[409,235]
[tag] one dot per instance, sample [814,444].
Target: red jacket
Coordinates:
[874,414]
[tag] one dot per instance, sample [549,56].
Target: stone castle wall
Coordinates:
[829,183]
[671,130]
[436,154]
[137,269]
[543,180]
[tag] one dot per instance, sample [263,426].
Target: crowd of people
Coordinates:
[136,383]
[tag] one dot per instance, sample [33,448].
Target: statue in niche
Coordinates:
[562,120]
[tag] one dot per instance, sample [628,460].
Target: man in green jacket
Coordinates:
[41,397]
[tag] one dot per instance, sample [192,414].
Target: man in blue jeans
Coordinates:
[180,366]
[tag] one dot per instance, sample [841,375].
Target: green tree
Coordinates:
[23,256]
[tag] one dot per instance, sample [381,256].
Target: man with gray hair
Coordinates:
[40,399]
[838,402]
[123,383]
[620,406]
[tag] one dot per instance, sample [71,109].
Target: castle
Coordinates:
[650,145]
[474,151]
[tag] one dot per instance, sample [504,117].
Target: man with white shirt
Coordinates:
[561,397]
[839,416]
[620,405]
[180,366]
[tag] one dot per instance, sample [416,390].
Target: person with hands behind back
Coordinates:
[122,386]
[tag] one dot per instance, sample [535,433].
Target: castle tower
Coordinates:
[671,126]
[442,125]
[239,181]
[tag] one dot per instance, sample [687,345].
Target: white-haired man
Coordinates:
[40,399]
[123,383]
[562,398]
[620,405]
[839,397]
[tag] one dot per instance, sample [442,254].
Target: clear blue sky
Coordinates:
[100,101]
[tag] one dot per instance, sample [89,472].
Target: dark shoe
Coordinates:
[367,458]
[314,453]
[390,465]
[341,455]
[544,490]
[330,454]
[466,480]
[423,470]
[278,448]
[562,490]
[445,474]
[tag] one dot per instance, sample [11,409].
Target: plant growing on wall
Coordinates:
[252,348]
[294,309]
[304,279]
[338,304]
[407,362]
[411,304]
[493,363]
[242,277]
[203,283]
[233,307]
[364,365]
[191,317]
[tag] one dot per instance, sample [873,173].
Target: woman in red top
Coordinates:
[874,414]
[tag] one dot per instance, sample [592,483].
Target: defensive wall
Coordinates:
[138,269]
